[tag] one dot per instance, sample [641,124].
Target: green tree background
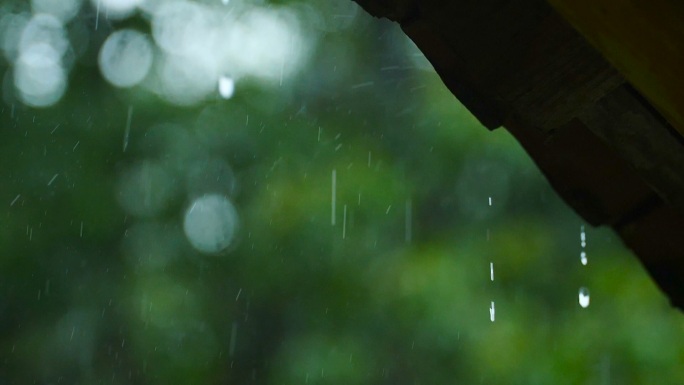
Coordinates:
[100,284]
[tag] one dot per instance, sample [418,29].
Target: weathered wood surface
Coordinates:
[643,39]
[604,148]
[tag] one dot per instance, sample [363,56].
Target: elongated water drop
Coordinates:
[226,87]
[584,297]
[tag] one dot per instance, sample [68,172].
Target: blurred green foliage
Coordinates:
[396,292]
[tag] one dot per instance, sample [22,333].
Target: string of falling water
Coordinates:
[583,295]
[492,310]
[583,244]
[491,271]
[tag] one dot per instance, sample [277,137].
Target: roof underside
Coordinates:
[604,147]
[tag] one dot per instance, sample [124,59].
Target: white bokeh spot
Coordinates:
[126,58]
[39,76]
[211,223]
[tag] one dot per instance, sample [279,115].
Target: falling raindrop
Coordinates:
[127,130]
[226,87]
[584,297]
[583,258]
[490,201]
[491,271]
[492,312]
[583,237]
[344,223]
[53,179]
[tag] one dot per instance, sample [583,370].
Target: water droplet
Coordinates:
[584,297]
[226,87]
[491,271]
[583,258]
[492,312]
[490,201]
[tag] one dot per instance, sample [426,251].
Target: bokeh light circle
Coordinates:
[39,76]
[126,58]
[211,223]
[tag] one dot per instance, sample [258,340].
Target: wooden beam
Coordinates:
[643,39]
